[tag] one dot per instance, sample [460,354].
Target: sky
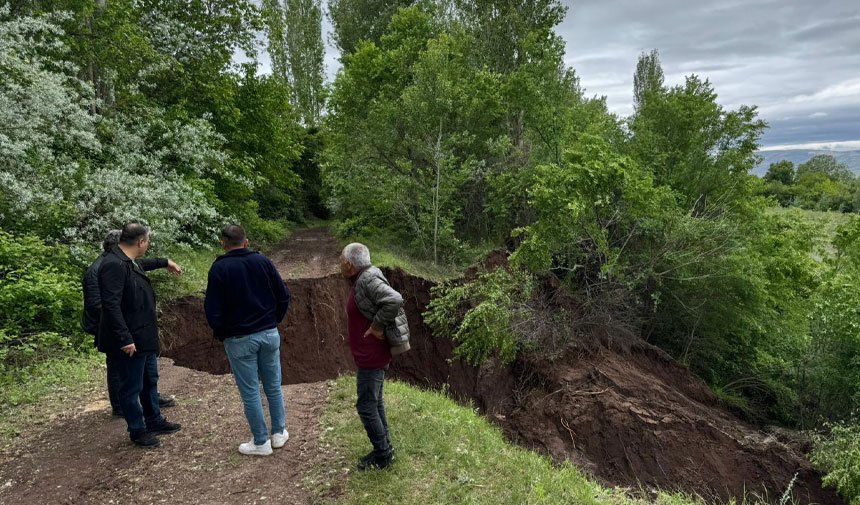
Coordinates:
[797,60]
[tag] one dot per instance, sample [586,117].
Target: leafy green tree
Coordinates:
[704,153]
[357,20]
[826,165]
[296,48]
[406,119]
[782,171]
[817,191]
[648,77]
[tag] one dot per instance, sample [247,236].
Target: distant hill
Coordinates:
[798,156]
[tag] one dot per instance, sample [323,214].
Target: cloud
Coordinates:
[851,145]
[796,60]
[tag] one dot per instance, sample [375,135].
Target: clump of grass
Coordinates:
[29,395]
[384,253]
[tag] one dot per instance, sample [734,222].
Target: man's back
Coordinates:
[245,294]
[92,297]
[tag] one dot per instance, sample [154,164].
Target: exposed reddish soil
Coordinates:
[631,417]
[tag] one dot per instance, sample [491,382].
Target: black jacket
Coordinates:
[128,303]
[92,298]
[245,294]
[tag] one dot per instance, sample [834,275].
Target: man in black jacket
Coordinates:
[245,300]
[128,331]
[93,313]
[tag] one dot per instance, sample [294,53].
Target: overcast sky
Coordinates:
[797,60]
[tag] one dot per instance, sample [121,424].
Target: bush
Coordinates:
[838,454]
[482,316]
[40,292]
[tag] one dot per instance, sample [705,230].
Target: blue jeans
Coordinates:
[138,391]
[258,354]
[371,407]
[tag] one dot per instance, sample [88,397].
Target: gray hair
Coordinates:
[357,254]
[111,239]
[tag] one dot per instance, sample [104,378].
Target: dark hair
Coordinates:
[233,235]
[111,239]
[132,233]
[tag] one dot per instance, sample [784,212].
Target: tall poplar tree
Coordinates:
[297,52]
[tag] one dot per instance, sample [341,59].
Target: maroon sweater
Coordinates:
[369,352]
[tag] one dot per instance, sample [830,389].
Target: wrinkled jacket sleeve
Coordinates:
[282,294]
[92,299]
[214,304]
[152,264]
[387,302]
[111,279]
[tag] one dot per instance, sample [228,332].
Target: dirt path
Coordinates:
[87,458]
[307,253]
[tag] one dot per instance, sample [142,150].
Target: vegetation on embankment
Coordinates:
[448,453]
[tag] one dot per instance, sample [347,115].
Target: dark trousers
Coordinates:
[371,407]
[138,393]
[113,382]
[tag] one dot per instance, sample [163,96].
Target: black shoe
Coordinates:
[164,428]
[144,439]
[367,457]
[166,402]
[116,413]
[376,461]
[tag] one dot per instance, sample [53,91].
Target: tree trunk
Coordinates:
[437,156]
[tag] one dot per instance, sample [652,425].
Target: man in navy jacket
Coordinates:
[245,300]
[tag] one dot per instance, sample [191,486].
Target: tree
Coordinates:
[409,122]
[782,171]
[827,165]
[357,20]
[704,153]
[648,78]
[295,45]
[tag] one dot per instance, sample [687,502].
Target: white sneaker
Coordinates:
[279,439]
[252,449]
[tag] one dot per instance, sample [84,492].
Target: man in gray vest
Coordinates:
[377,329]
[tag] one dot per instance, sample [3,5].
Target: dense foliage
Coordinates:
[821,183]
[133,110]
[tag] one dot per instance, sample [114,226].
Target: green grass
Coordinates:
[446,453]
[383,253]
[29,396]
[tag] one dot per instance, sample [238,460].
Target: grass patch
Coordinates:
[32,395]
[446,453]
[383,253]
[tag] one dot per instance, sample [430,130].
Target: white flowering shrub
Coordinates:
[70,175]
[46,130]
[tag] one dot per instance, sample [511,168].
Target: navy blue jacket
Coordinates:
[245,294]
